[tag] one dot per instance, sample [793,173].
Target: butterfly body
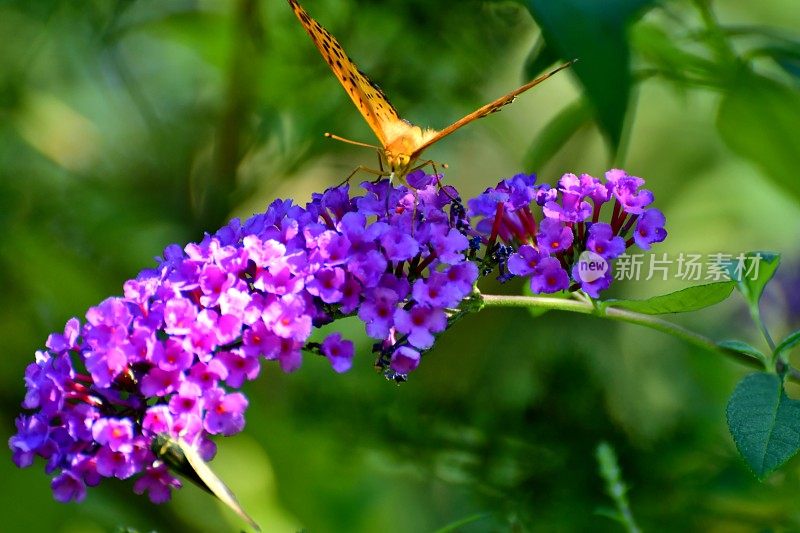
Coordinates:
[402,143]
[399,153]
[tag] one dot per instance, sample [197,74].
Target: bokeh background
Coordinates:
[127,125]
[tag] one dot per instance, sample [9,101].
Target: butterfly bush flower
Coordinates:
[168,356]
[550,248]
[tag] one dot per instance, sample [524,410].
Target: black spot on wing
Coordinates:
[365,93]
[378,90]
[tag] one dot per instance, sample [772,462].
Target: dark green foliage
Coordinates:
[764,422]
[594,33]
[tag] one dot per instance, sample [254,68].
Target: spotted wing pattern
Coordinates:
[376,109]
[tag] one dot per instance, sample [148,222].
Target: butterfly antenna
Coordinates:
[348,141]
[555,70]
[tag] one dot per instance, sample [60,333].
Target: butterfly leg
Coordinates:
[383,173]
[432,163]
[436,174]
[435,170]
[378,173]
[414,214]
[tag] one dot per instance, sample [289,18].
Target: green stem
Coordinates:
[615,486]
[755,313]
[623,315]
[766,334]
[719,40]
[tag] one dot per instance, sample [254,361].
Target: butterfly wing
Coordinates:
[488,109]
[376,109]
[181,457]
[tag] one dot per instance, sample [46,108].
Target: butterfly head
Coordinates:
[399,164]
[403,151]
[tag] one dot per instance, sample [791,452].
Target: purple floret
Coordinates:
[650,229]
[168,357]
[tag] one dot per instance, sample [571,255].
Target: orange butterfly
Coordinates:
[402,143]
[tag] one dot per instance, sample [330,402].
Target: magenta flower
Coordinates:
[158,483]
[214,281]
[58,342]
[115,433]
[171,355]
[327,285]
[593,287]
[106,363]
[399,245]
[68,487]
[116,464]
[167,357]
[437,291]
[553,236]
[603,242]
[548,252]
[524,261]
[377,311]
[32,434]
[573,206]
[224,412]
[594,189]
[549,277]
[650,229]
[187,400]
[448,246]
[157,419]
[625,189]
[405,360]
[420,324]
[260,340]
[179,316]
[240,367]
[339,352]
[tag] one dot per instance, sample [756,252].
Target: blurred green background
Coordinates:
[126,125]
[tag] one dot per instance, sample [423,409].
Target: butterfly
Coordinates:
[402,143]
[181,457]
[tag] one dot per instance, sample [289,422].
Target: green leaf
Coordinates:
[682,301]
[556,133]
[791,340]
[785,56]
[764,423]
[742,347]
[182,458]
[594,32]
[779,44]
[790,62]
[654,44]
[758,120]
[540,58]
[751,272]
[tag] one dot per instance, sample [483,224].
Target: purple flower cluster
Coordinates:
[167,358]
[555,249]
